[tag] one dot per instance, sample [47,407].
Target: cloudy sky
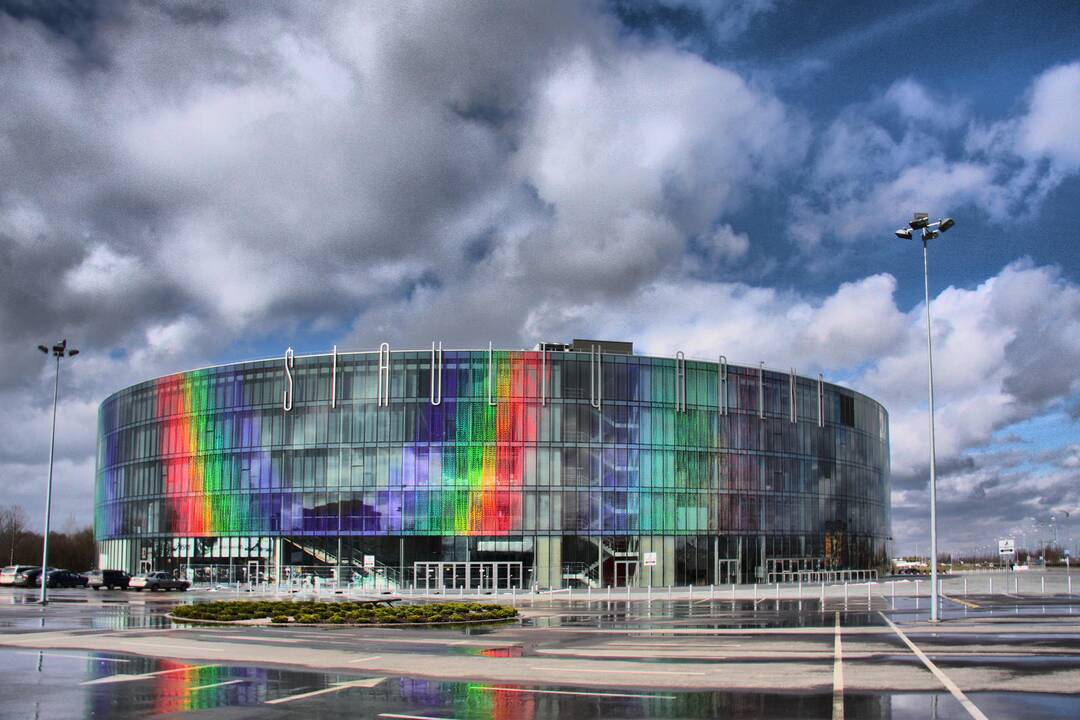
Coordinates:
[186,183]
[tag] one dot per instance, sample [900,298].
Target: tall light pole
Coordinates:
[59,350]
[929,231]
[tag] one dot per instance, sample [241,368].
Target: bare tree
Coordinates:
[12,527]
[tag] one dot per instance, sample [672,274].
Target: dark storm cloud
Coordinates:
[186,182]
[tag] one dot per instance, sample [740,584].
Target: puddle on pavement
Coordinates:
[49,685]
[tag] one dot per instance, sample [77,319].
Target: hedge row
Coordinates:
[340,613]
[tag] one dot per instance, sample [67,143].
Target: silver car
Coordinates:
[157,581]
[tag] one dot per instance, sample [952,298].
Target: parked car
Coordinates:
[157,581]
[8,574]
[62,578]
[29,577]
[107,579]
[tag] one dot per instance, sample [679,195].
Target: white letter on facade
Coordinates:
[286,398]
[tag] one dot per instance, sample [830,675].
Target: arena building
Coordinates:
[571,464]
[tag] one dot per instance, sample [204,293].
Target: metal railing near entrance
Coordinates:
[821,576]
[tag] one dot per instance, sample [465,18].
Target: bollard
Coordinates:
[893,584]
[822,597]
[965,587]
[991,584]
[648,594]
[588,595]
[669,592]
[628,593]
[868,598]
[755,594]
[916,588]
[690,592]
[1070,583]
[1042,585]
[1016,585]
[845,592]
[609,593]
[513,596]
[778,595]
[712,591]
[732,592]
[569,593]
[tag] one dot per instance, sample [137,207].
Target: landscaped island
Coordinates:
[341,613]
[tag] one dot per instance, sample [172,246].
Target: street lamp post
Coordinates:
[59,350]
[929,231]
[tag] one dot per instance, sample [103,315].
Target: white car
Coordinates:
[8,574]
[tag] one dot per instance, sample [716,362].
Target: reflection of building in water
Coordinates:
[576,464]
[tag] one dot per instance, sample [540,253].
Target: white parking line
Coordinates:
[412,717]
[688,646]
[123,677]
[359,660]
[572,692]
[368,682]
[838,675]
[70,655]
[957,693]
[620,672]
[214,685]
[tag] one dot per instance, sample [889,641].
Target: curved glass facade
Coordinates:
[571,467]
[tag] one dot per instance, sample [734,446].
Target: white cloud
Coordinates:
[635,152]
[865,171]
[1051,127]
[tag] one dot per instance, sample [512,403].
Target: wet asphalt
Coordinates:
[59,683]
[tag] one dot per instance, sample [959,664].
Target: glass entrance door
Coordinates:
[625,572]
[727,571]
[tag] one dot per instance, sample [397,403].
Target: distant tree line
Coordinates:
[72,550]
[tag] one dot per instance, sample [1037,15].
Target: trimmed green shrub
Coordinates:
[343,612]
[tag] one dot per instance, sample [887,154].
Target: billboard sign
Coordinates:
[650,559]
[1007,547]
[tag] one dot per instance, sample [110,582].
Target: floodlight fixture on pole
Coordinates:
[930,230]
[59,350]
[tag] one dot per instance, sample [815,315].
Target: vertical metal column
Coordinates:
[721,385]
[543,374]
[761,390]
[384,375]
[333,380]
[680,382]
[820,400]
[492,398]
[794,397]
[596,378]
[436,373]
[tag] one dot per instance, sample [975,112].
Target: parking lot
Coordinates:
[871,656]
